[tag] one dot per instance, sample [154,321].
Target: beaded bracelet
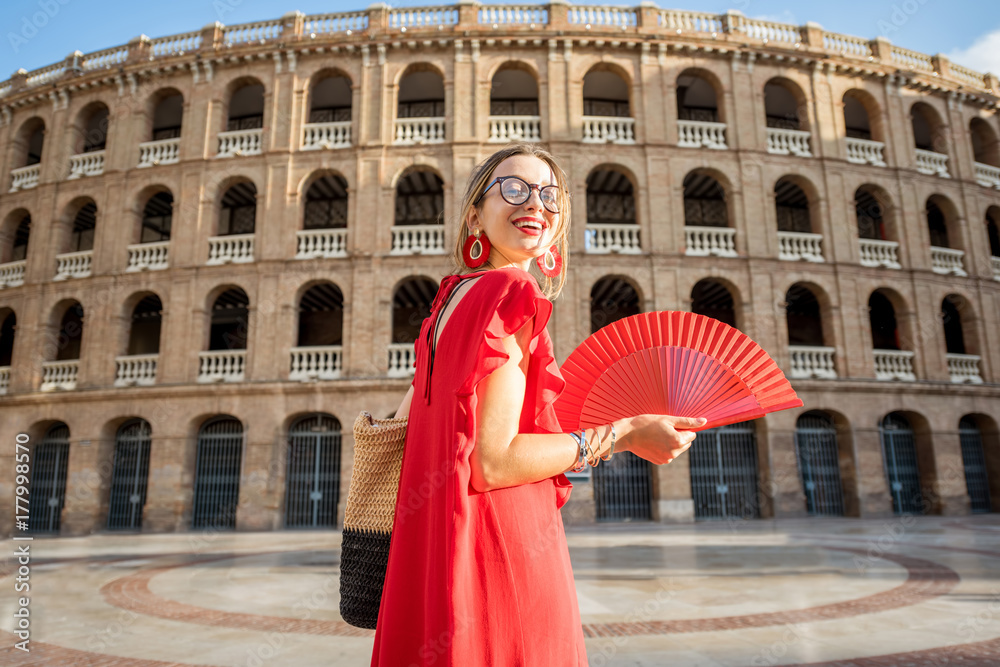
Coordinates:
[581,461]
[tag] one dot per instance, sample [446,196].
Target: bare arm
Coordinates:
[404,407]
[503,457]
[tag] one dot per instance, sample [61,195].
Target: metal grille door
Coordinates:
[48,480]
[217,474]
[899,454]
[313,481]
[819,464]
[622,489]
[976,478]
[724,473]
[129,476]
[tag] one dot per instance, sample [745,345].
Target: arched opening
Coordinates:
[330,100]
[145,325]
[951,318]
[29,143]
[321,316]
[513,92]
[803,313]
[14,238]
[882,318]
[421,94]
[84,226]
[611,204]
[312,482]
[993,233]
[782,101]
[713,299]
[157,216]
[326,203]
[612,298]
[697,99]
[218,461]
[980,441]
[8,327]
[857,122]
[91,128]
[238,212]
[791,206]
[419,199]
[961,340]
[899,456]
[871,205]
[50,465]
[69,338]
[928,131]
[937,224]
[130,475]
[246,107]
[411,305]
[230,323]
[724,476]
[985,147]
[704,201]
[606,94]
[819,458]
[168,115]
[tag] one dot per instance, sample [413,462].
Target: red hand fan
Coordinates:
[670,363]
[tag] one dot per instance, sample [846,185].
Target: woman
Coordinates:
[479,570]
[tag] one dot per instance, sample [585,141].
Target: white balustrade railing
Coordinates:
[326,135]
[698,134]
[325,24]
[875,252]
[104,59]
[163,151]
[4,379]
[23,178]
[967,76]
[515,128]
[316,363]
[60,375]
[259,31]
[987,175]
[236,248]
[401,360]
[964,368]
[148,256]
[222,366]
[865,151]
[704,241]
[604,239]
[513,15]
[409,131]
[912,60]
[995,261]
[788,142]
[73,264]
[894,365]
[608,129]
[931,163]
[812,361]
[175,45]
[769,31]
[796,246]
[136,370]
[418,240]
[613,17]
[423,17]
[12,273]
[947,261]
[43,75]
[680,21]
[326,243]
[86,164]
[240,142]
[847,45]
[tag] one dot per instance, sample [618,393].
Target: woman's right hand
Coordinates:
[657,438]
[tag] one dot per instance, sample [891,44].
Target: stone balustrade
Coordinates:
[316,136]
[418,240]
[894,365]
[25,177]
[504,15]
[136,370]
[235,248]
[163,151]
[316,363]
[875,252]
[932,164]
[995,262]
[964,368]
[148,256]
[86,164]
[947,261]
[258,32]
[73,264]
[408,18]
[4,379]
[987,175]
[865,151]
[602,16]
[604,239]
[788,142]
[325,243]
[222,366]
[411,131]
[175,45]
[240,143]
[12,273]
[401,360]
[504,129]
[335,22]
[701,134]
[608,130]
[812,361]
[800,246]
[60,375]
[704,241]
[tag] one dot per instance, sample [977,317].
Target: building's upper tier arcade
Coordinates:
[653,30]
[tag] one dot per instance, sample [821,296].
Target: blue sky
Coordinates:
[40,32]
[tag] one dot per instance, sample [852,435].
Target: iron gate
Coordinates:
[217,474]
[724,473]
[312,485]
[819,464]
[622,489]
[899,456]
[976,478]
[48,480]
[129,476]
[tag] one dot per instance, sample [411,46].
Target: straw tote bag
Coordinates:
[368,517]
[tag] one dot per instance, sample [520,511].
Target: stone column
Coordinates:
[672,499]
[873,489]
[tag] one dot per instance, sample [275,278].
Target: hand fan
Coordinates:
[670,363]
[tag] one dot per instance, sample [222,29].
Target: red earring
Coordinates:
[476,250]
[551,262]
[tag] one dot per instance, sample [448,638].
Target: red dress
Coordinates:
[478,578]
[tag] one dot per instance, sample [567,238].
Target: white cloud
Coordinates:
[982,55]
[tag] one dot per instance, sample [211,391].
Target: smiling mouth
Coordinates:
[529,224]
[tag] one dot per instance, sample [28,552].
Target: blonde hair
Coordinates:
[482,174]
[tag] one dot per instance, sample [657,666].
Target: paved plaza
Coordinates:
[906,591]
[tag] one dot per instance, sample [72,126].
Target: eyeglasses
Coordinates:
[515,191]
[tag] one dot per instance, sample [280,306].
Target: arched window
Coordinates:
[230,323]
[985,147]
[951,318]
[238,214]
[93,128]
[704,201]
[14,238]
[168,115]
[792,207]
[411,305]
[8,326]
[157,216]
[330,100]
[946,255]
[696,98]
[993,232]
[713,299]
[69,338]
[419,199]
[610,205]
[937,225]
[611,299]
[927,128]
[421,95]
[321,316]
[145,326]
[246,108]
[130,475]
[514,114]
[219,454]
[856,120]
[781,105]
[312,482]
[872,210]
[50,467]
[805,322]
[605,94]
[84,226]
[961,340]
[882,317]
[818,455]
[30,142]
[326,203]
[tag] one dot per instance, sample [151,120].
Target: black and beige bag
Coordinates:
[368,517]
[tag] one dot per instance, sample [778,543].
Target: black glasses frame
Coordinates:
[531,186]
